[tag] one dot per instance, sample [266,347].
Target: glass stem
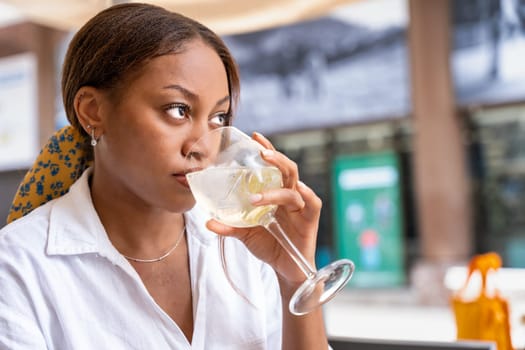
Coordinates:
[271,224]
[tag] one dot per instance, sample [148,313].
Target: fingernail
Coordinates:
[267,153]
[300,183]
[254,198]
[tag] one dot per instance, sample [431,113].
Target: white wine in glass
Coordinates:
[225,169]
[225,191]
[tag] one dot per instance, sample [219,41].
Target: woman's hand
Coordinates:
[298,214]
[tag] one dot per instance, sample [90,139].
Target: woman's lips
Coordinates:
[181,178]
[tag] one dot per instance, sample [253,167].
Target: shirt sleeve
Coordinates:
[19,328]
[18,332]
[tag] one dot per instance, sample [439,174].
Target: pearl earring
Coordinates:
[93,138]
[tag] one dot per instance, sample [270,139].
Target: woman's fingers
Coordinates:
[289,199]
[262,140]
[302,198]
[288,168]
[222,229]
[313,203]
[215,226]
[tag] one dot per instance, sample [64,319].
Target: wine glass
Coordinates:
[224,168]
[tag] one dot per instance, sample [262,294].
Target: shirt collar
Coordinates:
[195,220]
[74,226]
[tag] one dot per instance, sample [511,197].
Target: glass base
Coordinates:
[321,288]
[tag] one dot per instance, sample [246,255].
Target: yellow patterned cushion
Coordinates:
[60,163]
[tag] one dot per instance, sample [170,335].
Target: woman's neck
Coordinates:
[134,227]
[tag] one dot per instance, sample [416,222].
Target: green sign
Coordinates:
[367,213]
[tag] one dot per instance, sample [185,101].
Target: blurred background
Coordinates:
[407,117]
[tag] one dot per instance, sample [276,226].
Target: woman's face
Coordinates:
[159,115]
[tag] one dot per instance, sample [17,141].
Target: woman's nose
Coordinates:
[196,146]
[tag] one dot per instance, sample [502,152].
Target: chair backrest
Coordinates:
[381,344]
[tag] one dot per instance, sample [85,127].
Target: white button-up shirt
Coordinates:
[63,285]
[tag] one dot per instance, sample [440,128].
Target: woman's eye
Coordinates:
[178,111]
[220,119]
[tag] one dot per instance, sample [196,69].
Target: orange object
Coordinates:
[486,317]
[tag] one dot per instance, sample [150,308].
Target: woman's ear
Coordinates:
[88,101]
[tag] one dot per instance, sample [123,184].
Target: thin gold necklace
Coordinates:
[161,257]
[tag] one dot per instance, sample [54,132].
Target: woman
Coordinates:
[122,261]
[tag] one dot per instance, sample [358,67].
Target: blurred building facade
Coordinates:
[442,93]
